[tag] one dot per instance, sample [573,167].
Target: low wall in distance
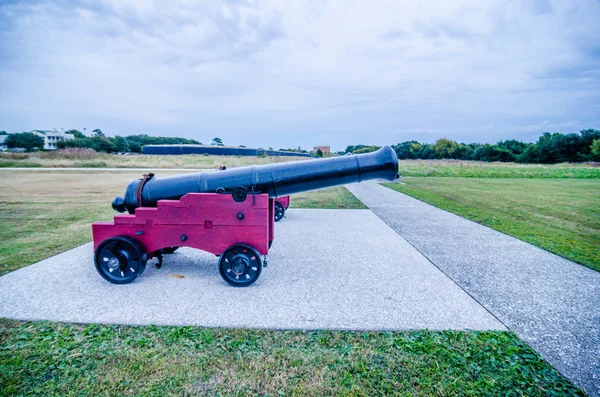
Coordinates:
[215,150]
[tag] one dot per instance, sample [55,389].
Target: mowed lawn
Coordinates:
[558,215]
[58,359]
[43,213]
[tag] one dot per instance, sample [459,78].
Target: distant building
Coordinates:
[52,137]
[324,149]
[2,144]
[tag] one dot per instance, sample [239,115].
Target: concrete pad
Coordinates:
[550,302]
[328,269]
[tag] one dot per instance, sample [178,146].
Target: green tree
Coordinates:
[98,143]
[367,149]
[103,144]
[319,153]
[558,148]
[76,134]
[513,146]
[408,150]
[134,147]
[595,150]
[120,144]
[353,148]
[3,132]
[217,142]
[98,132]
[25,140]
[144,139]
[487,152]
[445,148]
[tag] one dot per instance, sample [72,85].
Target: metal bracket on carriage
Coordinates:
[254,193]
[146,178]
[159,261]
[239,193]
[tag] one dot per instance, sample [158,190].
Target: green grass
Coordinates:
[447,168]
[558,215]
[57,359]
[44,213]
[333,198]
[104,160]
[476,169]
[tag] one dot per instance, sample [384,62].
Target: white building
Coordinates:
[52,137]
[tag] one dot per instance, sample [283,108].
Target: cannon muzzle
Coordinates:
[276,180]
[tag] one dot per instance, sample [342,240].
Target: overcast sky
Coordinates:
[288,73]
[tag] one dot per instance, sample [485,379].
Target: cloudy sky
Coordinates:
[289,73]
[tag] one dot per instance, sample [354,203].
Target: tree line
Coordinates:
[550,148]
[98,141]
[131,143]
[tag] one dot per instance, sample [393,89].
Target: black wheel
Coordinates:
[279,211]
[120,260]
[240,266]
[169,250]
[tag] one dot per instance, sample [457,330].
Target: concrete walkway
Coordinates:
[551,303]
[328,269]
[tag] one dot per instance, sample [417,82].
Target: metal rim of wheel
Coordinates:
[279,211]
[240,266]
[120,260]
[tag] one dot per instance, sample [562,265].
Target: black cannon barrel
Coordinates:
[279,179]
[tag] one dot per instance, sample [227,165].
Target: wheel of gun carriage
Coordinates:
[120,260]
[240,266]
[279,211]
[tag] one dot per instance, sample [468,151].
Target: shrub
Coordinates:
[595,150]
[74,153]
[93,164]
[15,156]
[364,149]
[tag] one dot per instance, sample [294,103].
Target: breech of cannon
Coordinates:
[276,180]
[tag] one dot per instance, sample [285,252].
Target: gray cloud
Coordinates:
[267,73]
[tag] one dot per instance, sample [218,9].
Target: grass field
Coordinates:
[447,168]
[477,169]
[558,215]
[43,213]
[57,359]
[103,160]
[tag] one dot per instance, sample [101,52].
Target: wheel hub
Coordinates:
[239,266]
[114,263]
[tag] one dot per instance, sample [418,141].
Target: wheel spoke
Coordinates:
[132,264]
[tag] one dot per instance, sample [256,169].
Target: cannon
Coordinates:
[230,213]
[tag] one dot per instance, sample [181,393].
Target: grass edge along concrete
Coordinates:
[558,215]
[42,358]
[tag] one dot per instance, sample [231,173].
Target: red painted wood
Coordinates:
[285,201]
[208,220]
[272,220]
